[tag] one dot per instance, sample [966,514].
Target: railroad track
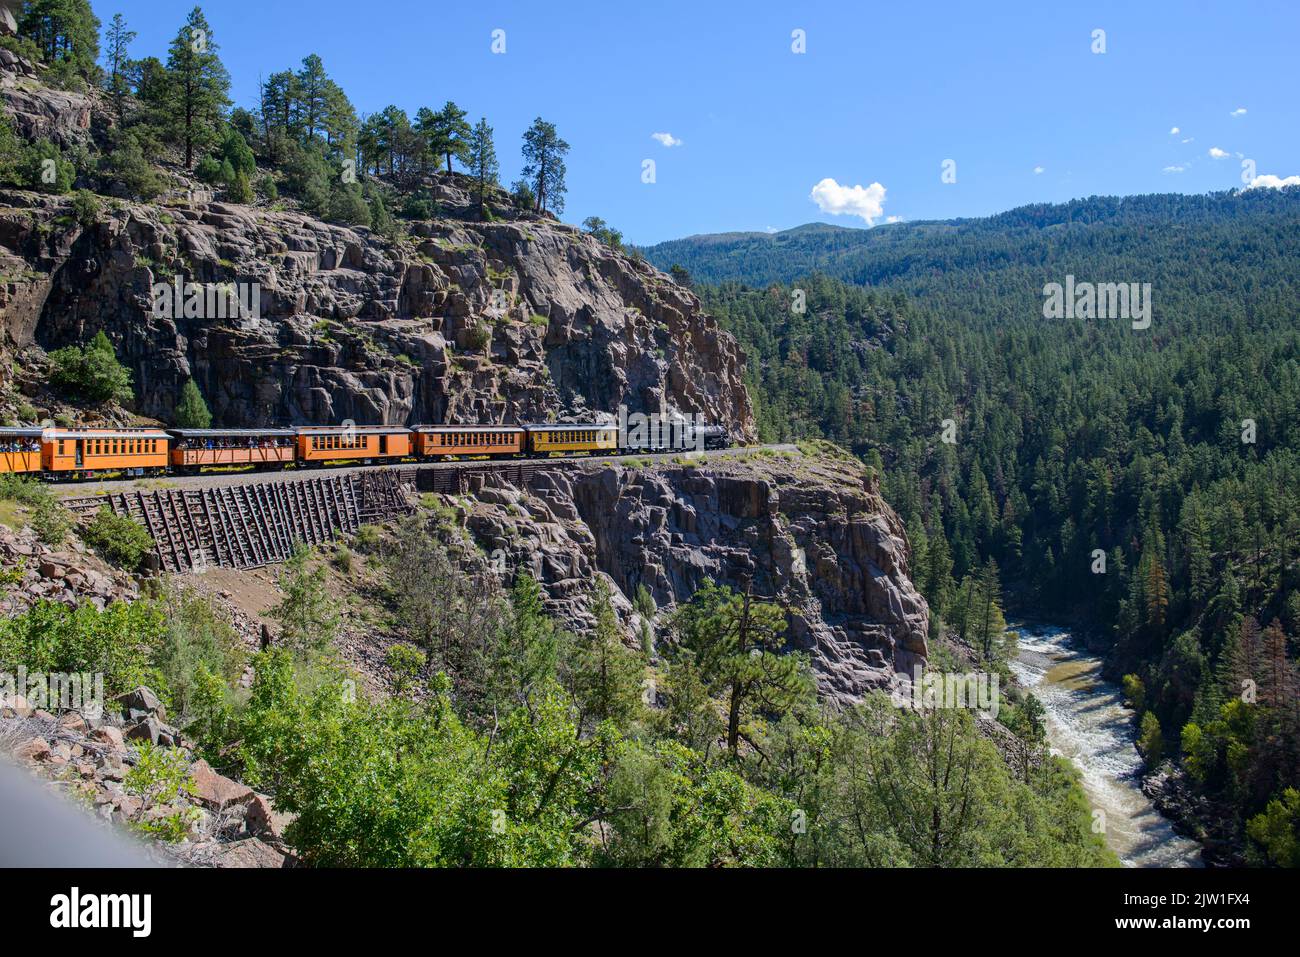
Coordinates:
[250,520]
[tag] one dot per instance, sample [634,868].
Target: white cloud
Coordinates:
[1189,139]
[1239,111]
[1269,181]
[1217,153]
[865,201]
[666,139]
[1038,171]
[893,219]
[1175,131]
[1174,169]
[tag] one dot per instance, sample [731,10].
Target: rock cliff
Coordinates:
[811,533]
[464,322]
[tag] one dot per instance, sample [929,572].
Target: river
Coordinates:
[1088,723]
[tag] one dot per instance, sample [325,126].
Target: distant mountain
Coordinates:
[1249,236]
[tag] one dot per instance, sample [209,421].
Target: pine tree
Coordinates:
[198,85]
[606,676]
[544,153]
[481,158]
[313,88]
[116,80]
[191,411]
[452,133]
[991,625]
[65,31]
[736,644]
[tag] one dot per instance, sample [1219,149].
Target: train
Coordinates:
[72,454]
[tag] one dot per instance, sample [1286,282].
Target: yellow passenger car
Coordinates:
[592,439]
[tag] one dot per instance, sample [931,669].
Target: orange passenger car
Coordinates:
[194,449]
[72,452]
[20,450]
[446,440]
[318,444]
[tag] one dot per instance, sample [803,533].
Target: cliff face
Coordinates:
[810,533]
[470,322]
[521,319]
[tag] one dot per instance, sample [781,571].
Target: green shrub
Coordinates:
[368,539]
[118,642]
[46,169]
[208,171]
[196,643]
[86,207]
[119,539]
[405,661]
[1135,693]
[159,777]
[478,337]
[1151,741]
[126,165]
[49,518]
[91,372]
[308,615]
[348,206]
[1276,832]
[51,522]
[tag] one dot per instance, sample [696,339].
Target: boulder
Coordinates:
[109,735]
[248,853]
[215,791]
[33,749]
[142,700]
[148,729]
[72,722]
[14,706]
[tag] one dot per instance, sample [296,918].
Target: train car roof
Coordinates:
[22,432]
[570,427]
[353,429]
[243,433]
[107,434]
[467,428]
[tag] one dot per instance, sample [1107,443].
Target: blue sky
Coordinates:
[884,93]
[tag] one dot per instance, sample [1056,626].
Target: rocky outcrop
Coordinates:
[507,321]
[40,112]
[89,756]
[32,571]
[812,534]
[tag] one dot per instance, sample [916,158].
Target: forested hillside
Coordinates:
[1142,483]
[992,268]
[605,690]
